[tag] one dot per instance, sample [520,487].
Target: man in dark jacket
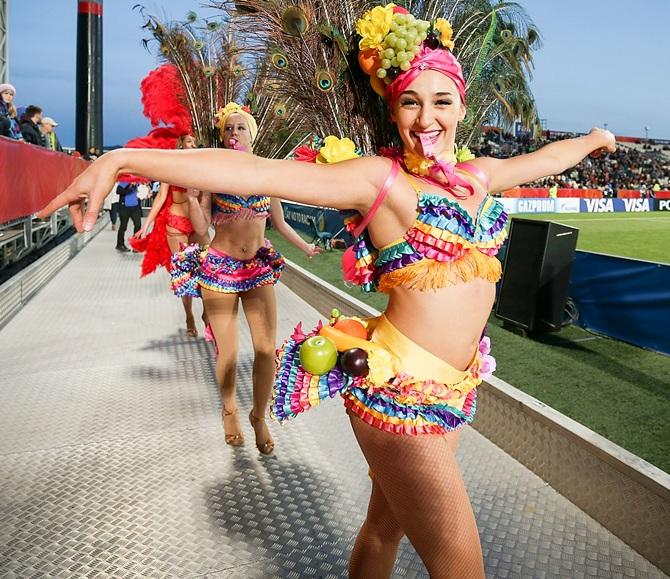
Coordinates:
[30,126]
[129,208]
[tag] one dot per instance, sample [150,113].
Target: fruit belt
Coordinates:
[384,378]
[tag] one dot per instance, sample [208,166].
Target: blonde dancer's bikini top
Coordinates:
[443,246]
[226,208]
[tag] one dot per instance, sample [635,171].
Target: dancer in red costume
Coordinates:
[172,229]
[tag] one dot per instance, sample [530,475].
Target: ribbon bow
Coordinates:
[448,170]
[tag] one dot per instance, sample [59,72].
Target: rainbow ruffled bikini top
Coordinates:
[444,245]
[226,208]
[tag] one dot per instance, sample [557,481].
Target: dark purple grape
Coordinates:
[355,362]
[432,41]
[393,72]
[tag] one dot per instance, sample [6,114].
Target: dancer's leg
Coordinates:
[260,309]
[374,553]
[176,240]
[420,479]
[202,240]
[124,215]
[222,310]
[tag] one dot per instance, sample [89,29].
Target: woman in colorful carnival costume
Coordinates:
[172,229]
[240,265]
[428,236]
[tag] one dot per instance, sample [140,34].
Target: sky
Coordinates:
[602,62]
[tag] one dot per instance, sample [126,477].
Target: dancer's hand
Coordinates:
[142,233]
[93,185]
[193,193]
[606,142]
[311,250]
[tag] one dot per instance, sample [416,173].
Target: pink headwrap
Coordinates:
[438,59]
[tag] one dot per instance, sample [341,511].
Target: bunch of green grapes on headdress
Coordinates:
[402,44]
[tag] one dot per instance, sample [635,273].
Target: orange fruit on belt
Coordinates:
[352,327]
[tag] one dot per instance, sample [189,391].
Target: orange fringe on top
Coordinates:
[427,275]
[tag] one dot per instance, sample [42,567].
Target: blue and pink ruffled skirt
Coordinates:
[195,267]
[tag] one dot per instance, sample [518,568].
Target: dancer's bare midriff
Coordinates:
[240,238]
[447,322]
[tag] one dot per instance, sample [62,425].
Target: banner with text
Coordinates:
[311,220]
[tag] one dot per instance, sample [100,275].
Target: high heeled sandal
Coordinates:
[266,447]
[191,328]
[231,439]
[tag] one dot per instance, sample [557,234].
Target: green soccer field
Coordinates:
[639,235]
[619,390]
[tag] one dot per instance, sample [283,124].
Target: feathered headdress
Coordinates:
[314,48]
[163,101]
[215,68]
[208,65]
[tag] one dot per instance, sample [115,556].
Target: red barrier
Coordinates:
[539,193]
[662,194]
[32,176]
[628,194]
[529,192]
[581,193]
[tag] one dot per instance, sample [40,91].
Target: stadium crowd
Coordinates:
[646,169]
[29,124]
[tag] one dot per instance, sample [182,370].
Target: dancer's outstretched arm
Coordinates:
[350,184]
[551,159]
[287,232]
[156,206]
[200,210]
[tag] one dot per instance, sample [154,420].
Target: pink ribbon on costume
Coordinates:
[439,59]
[447,169]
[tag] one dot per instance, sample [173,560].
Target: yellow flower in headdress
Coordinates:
[374,26]
[336,150]
[233,108]
[446,32]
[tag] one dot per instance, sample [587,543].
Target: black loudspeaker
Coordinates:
[536,274]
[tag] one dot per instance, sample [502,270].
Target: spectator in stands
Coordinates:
[553,191]
[92,155]
[30,126]
[9,126]
[49,135]
[129,208]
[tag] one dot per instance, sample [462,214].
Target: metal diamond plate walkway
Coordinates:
[113,462]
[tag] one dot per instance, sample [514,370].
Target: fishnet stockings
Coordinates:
[417,490]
